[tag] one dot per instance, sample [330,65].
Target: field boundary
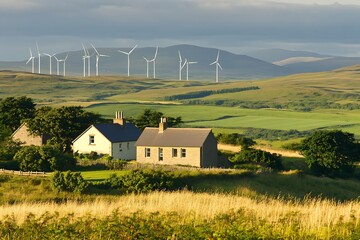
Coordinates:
[22,173]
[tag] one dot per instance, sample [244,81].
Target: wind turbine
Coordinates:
[187,68]
[64,60]
[37,46]
[88,57]
[154,61]
[50,56]
[128,54]
[98,55]
[147,67]
[217,66]
[57,65]
[181,66]
[32,61]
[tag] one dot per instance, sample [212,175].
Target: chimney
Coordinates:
[119,119]
[162,125]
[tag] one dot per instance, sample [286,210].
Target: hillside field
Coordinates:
[326,100]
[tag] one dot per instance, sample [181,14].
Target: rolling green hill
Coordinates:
[303,101]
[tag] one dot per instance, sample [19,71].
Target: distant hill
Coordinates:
[275,55]
[323,65]
[167,64]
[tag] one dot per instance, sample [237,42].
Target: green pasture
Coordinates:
[100,174]
[234,119]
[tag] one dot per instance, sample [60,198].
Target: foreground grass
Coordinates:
[181,215]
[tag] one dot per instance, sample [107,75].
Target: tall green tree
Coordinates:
[151,118]
[62,124]
[330,153]
[14,110]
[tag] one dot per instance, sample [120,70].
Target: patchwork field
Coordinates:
[326,100]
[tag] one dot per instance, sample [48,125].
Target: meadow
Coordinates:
[217,204]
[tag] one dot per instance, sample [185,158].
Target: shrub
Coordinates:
[257,156]
[141,181]
[68,182]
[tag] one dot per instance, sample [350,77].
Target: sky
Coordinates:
[239,26]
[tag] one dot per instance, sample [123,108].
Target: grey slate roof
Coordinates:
[173,137]
[117,133]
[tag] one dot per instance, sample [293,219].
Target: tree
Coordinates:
[236,139]
[62,124]
[14,110]
[151,118]
[330,153]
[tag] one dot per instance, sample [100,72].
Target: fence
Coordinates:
[30,173]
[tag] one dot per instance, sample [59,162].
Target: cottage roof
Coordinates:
[173,137]
[115,132]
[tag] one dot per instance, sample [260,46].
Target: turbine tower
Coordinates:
[147,67]
[32,61]
[154,61]
[50,56]
[88,57]
[37,46]
[64,61]
[181,66]
[217,66]
[128,54]
[187,68]
[57,65]
[98,55]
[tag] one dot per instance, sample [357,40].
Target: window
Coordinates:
[174,152]
[91,139]
[183,152]
[147,152]
[120,149]
[161,154]
[128,145]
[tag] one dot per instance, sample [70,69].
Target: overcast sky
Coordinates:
[236,25]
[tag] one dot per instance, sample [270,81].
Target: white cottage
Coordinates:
[116,139]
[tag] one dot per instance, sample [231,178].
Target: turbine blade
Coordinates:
[66,57]
[123,52]
[219,66]
[29,60]
[37,47]
[95,49]
[217,58]
[30,52]
[156,52]
[133,49]
[180,56]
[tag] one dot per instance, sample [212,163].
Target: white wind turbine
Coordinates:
[64,61]
[32,61]
[50,56]
[187,68]
[88,57]
[181,66]
[147,67]
[37,46]
[154,61]
[98,55]
[128,54]
[57,65]
[217,66]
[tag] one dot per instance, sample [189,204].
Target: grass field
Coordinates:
[132,95]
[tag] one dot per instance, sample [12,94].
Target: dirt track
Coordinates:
[284,153]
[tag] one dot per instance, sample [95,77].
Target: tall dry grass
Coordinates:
[310,215]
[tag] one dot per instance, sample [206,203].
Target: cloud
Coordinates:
[222,24]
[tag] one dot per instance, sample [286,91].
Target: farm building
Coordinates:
[177,146]
[116,139]
[23,135]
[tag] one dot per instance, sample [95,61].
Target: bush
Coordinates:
[142,181]
[235,139]
[68,182]
[258,156]
[45,158]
